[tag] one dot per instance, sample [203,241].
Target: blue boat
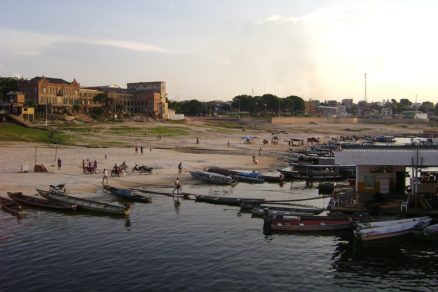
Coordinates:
[127,194]
[250,177]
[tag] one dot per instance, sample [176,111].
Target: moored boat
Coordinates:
[307,223]
[213,178]
[85,203]
[227,200]
[127,194]
[40,202]
[10,206]
[284,211]
[390,228]
[429,232]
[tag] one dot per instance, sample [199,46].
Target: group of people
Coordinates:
[89,166]
[119,170]
[141,149]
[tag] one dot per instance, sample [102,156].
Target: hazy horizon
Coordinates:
[217,49]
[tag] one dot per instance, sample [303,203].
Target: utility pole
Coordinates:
[365,77]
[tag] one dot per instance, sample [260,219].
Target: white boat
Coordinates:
[429,232]
[388,222]
[391,228]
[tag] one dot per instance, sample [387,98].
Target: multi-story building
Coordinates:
[147,91]
[52,95]
[310,107]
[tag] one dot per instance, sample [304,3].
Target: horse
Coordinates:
[312,140]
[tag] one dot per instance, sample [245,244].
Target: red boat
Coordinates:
[308,223]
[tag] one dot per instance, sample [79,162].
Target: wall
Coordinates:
[305,120]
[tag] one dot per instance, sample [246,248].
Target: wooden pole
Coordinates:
[36,147]
[56,151]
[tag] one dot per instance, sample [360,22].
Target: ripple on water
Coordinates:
[199,247]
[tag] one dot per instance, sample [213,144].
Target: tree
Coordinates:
[102,98]
[7,84]
[405,104]
[244,103]
[192,107]
[297,104]
[427,106]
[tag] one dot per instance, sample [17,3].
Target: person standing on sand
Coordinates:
[136,149]
[59,163]
[177,186]
[180,167]
[105,176]
[260,151]
[141,149]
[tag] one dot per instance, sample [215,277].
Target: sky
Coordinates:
[217,49]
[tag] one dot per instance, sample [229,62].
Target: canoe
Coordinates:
[391,228]
[127,194]
[213,178]
[219,170]
[307,223]
[86,204]
[10,206]
[285,211]
[248,179]
[227,201]
[40,202]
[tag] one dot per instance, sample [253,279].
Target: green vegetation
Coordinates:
[11,132]
[167,131]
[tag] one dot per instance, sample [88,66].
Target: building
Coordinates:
[50,95]
[381,170]
[86,101]
[159,102]
[17,106]
[310,107]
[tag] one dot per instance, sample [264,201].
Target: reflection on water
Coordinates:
[197,246]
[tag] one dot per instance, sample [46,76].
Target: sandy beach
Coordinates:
[17,159]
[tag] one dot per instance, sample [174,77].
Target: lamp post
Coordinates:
[47,102]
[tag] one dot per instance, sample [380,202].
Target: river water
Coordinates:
[200,247]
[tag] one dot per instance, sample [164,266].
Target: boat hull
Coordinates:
[127,195]
[302,225]
[393,228]
[85,204]
[41,203]
[10,207]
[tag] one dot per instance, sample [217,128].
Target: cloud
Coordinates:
[315,16]
[33,43]
[171,6]
[134,46]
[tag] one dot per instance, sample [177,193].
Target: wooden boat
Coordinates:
[390,228]
[273,177]
[85,204]
[429,232]
[249,179]
[262,210]
[40,202]
[307,223]
[219,170]
[10,206]
[300,171]
[213,178]
[127,194]
[227,201]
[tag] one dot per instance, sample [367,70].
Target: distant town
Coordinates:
[42,98]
